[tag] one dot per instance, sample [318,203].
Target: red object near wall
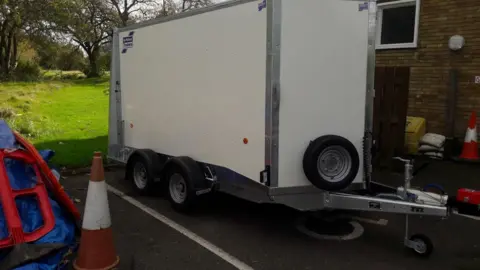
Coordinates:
[469,196]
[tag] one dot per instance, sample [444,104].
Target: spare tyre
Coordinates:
[331,162]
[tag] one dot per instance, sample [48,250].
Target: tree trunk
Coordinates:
[3,50]
[8,52]
[93,62]
[14,54]
[124,18]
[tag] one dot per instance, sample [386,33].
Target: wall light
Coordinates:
[456,42]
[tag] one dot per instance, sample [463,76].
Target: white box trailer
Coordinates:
[270,101]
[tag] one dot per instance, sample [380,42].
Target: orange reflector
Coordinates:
[245,140]
[131,125]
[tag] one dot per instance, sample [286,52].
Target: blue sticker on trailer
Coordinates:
[262,5]
[127,42]
[363,6]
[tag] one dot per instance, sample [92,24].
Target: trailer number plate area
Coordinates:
[417,209]
[363,6]
[374,205]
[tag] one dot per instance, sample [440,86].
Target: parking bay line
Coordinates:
[179,228]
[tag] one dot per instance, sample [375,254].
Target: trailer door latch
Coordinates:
[117,86]
[276,96]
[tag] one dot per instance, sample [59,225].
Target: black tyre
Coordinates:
[331,162]
[424,246]
[141,171]
[180,189]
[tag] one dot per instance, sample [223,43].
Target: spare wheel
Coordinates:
[331,162]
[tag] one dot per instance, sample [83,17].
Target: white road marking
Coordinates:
[466,216]
[172,224]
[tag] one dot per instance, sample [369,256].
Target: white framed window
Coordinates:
[397,24]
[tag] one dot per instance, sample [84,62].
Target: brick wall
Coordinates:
[431,61]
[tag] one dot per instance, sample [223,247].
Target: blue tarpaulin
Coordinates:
[21,177]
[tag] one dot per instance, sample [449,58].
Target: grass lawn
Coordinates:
[69,117]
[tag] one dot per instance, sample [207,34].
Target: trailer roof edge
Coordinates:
[182,15]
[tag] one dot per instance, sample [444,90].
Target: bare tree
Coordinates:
[134,10]
[17,17]
[170,7]
[192,4]
[88,23]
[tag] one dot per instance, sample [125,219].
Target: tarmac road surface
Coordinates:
[144,243]
[265,236]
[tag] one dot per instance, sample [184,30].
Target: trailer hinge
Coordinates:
[276,96]
[117,86]
[265,176]
[120,129]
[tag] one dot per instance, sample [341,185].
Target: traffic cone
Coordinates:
[470,146]
[96,249]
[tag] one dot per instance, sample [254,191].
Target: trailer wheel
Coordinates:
[423,246]
[331,162]
[180,188]
[141,170]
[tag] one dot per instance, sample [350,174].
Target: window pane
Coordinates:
[398,25]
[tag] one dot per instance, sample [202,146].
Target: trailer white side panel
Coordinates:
[196,87]
[322,79]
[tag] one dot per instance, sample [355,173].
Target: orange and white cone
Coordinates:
[470,146]
[96,249]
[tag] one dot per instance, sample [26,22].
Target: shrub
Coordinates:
[30,125]
[27,72]
[104,62]
[63,75]
[25,127]
[6,113]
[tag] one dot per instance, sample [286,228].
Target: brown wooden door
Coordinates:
[390,112]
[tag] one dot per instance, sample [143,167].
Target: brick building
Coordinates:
[415,34]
